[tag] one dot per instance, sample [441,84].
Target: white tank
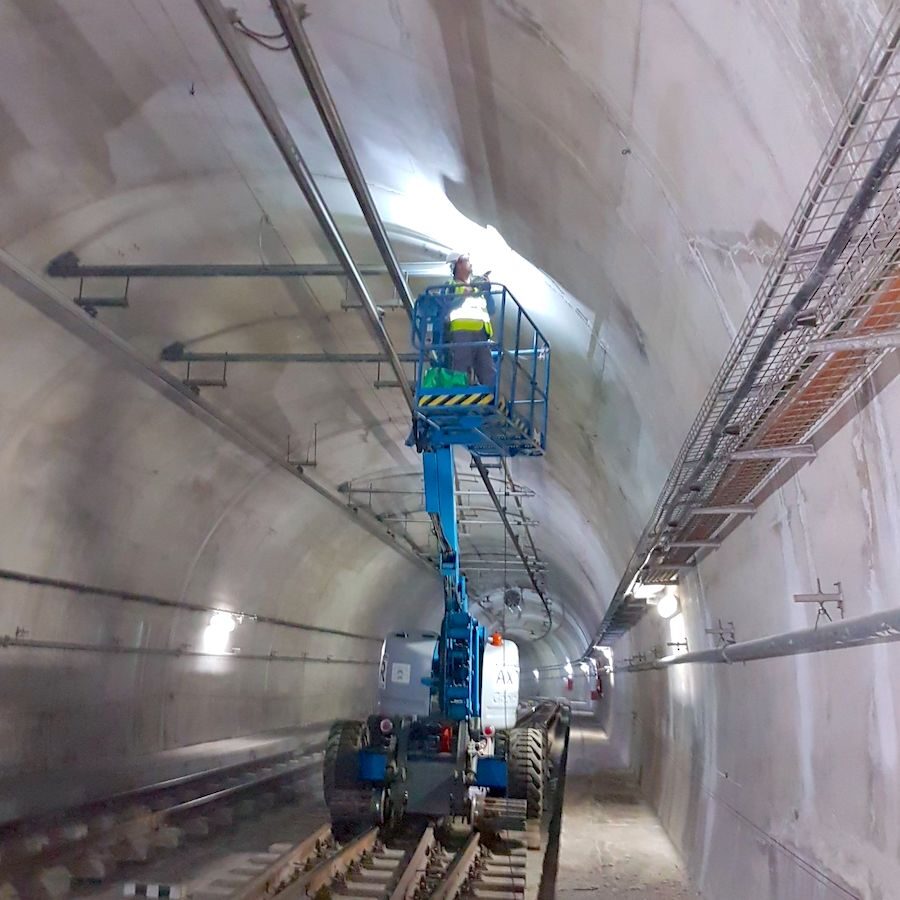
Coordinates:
[500,684]
[404,673]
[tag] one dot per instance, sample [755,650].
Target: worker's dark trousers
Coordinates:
[466,357]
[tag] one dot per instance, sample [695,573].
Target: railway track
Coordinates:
[378,865]
[47,857]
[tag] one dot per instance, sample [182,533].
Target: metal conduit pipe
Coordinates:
[870,185]
[876,628]
[67,265]
[291,22]
[177,353]
[265,105]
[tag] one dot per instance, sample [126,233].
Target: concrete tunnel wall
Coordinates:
[115,486]
[775,778]
[638,163]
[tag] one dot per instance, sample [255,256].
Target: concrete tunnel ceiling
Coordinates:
[626,168]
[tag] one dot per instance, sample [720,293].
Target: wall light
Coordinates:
[537,675]
[668,605]
[215,635]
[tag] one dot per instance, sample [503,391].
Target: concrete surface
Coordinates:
[784,766]
[611,843]
[637,163]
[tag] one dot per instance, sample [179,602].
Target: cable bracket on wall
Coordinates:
[196,383]
[723,633]
[822,598]
[311,451]
[90,304]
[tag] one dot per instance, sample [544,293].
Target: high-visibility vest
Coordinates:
[472,314]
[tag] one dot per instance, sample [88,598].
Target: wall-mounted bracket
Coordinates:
[694,545]
[723,632]
[821,598]
[311,451]
[792,451]
[91,304]
[875,340]
[733,509]
[196,383]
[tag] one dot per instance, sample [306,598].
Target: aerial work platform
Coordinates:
[505,418]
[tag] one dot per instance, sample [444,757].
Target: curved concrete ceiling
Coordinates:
[626,168]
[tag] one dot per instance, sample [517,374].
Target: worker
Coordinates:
[469,323]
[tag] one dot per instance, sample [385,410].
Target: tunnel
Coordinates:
[215,223]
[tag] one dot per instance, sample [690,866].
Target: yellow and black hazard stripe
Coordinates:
[517,422]
[457,400]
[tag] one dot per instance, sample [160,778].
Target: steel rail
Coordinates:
[407,885]
[455,876]
[145,819]
[234,789]
[265,105]
[324,873]
[87,807]
[269,882]
[305,58]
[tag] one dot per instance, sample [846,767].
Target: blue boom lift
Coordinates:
[428,751]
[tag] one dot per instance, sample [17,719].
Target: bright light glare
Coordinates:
[568,667]
[423,206]
[678,633]
[646,591]
[215,635]
[585,668]
[537,675]
[668,605]
[608,653]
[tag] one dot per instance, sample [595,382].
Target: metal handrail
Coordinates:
[428,338]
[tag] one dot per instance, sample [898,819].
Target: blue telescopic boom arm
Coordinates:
[462,638]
